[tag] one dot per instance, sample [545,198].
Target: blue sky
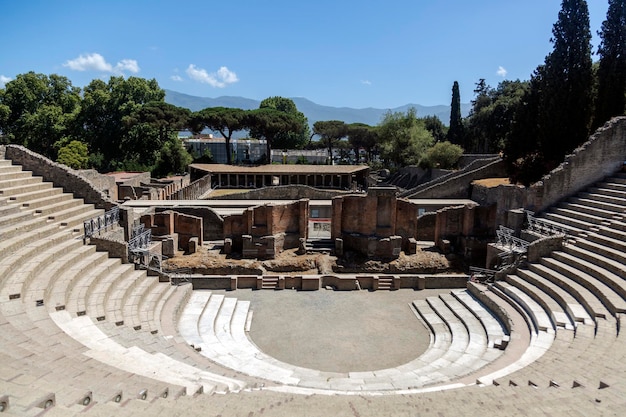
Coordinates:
[352,54]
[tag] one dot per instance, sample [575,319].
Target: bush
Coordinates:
[442,155]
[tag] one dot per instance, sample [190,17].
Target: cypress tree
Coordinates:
[565,105]
[612,66]
[455,133]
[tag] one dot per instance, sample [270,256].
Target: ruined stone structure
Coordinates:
[176,230]
[465,230]
[377,225]
[263,231]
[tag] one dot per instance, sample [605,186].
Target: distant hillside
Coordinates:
[311,110]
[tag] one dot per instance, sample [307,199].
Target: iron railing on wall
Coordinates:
[102,222]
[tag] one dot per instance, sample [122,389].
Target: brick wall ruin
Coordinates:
[175,229]
[264,231]
[377,225]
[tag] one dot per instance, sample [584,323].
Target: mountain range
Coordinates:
[313,111]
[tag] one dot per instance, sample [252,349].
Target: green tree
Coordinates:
[404,138]
[75,155]
[436,127]
[102,120]
[39,110]
[361,135]
[443,155]
[456,132]
[330,132]
[269,123]
[565,101]
[491,118]
[172,158]
[287,139]
[612,65]
[224,120]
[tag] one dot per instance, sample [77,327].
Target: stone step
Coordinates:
[573,228]
[612,186]
[28,269]
[557,272]
[58,292]
[558,316]
[91,296]
[23,189]
[478,342]
[598,196]
[41,203]
[25,179]
[568,265]
[541,276]
[539,317]
[35,291]
[26,197]
[603,255]
[460,336]
[606,191]
[569,305]
[600,268]
[579,217]
[149,313]
[594,201]
[585,210]
[496,332]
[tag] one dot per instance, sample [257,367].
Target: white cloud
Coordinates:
[176,78]
[366,82]
[96,62]
[501,71]
[219,79]
[4,80]
[127,65]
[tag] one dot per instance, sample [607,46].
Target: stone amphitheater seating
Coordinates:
[85,334]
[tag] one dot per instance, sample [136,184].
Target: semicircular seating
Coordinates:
[83,333]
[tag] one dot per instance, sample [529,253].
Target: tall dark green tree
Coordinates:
[224,120]
[566,96]
[287,140]
[269,123]
[455,131]
[611,73]
[330,132]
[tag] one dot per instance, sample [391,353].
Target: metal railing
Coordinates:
[140,242]
[103,222]
[507,240]
[543,227]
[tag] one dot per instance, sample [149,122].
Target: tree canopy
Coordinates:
[404,138]
[295,139]
[330,132]
[611,74]
[269,123]
[224,120]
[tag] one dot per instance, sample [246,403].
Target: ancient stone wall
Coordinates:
[172,223]
[104,183]
[212,223]
[457,183]
[426,224]
[71,180]
[377,225]
[264,231]
[602,155]
[194,190]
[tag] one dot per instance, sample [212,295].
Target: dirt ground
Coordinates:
[209,260]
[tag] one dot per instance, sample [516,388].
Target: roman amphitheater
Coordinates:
[84,333]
